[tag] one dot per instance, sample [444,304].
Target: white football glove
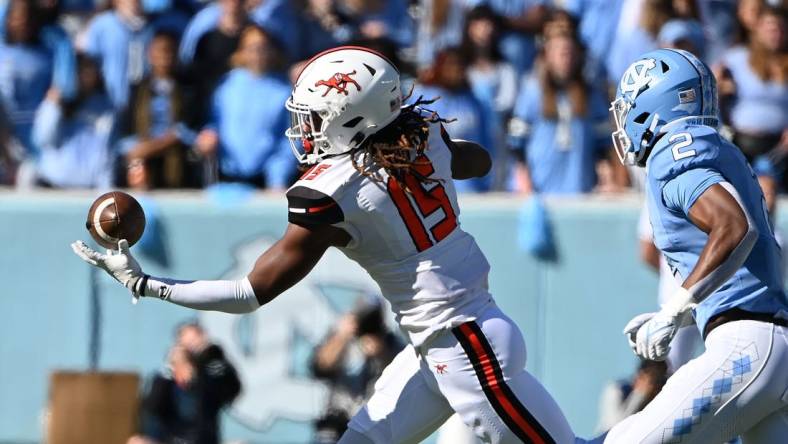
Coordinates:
[650,334]
[653,338]
[632,327]
[119,264]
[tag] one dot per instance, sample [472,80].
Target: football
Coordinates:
[115,216]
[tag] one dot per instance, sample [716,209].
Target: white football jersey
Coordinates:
[409,241]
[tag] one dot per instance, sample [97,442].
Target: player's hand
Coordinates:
[632,327]
[119,264]
[653,338]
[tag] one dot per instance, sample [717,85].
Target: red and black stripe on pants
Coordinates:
[513,413]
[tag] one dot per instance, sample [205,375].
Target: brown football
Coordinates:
[115,216]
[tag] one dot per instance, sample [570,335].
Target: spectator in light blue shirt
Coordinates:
[157,125]
[54,38]
[248,119]
[638,29]
[493,80]
[211,60]
[683,34]
[560,126]
[523,21]
[169,15]
[440,26]
[118,39]
[597,20]
[380,18]
[447,80]
[25,70]
[327,26]
[75,135]
[202,22]
[279,18]
[275,16]
[754,86]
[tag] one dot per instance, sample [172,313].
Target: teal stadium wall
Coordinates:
[571,310]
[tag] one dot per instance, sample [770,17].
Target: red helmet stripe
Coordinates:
[341,48]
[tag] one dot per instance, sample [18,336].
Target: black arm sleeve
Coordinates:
[307,207]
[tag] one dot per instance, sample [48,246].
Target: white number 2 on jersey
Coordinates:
[681,140]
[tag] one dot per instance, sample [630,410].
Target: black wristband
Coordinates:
[143,284]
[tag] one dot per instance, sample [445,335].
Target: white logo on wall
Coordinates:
[262,344]
[636,77]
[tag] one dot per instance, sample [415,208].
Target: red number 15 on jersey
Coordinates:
[426,203]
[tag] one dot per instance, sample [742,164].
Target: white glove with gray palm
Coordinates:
[119,264]
[650,334]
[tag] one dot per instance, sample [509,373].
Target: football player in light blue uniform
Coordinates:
[709,220]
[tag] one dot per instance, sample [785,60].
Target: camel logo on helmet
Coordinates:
[339,82]
[636,78]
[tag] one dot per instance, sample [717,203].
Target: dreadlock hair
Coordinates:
[397,148]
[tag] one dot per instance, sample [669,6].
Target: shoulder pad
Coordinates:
[330,176]
[683,149]
[308,207]
[314,198]
[439,140]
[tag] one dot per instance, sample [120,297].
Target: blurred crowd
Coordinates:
[152,94]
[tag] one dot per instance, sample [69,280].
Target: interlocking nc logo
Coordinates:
[636,77]
[441,368]
[339,82]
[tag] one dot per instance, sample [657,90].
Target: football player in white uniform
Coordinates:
[379,187]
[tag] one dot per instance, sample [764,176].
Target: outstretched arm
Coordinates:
[291,258]
[279,268]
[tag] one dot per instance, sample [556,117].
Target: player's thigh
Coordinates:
[724,392]
[404,408]
[686,345]
[480,368]
[454,431]
[773,429]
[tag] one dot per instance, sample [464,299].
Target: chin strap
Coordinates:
[648,135]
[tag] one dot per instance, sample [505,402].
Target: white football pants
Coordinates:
[737,387]
[684,347]
[477,370]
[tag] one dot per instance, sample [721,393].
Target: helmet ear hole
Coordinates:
[353,122]
[357,139]
[641,119]
[371,70]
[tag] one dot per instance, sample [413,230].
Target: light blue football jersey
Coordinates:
[683,164]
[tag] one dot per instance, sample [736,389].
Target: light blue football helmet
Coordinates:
[663,87]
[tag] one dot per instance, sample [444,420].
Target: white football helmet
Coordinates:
[342,96]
